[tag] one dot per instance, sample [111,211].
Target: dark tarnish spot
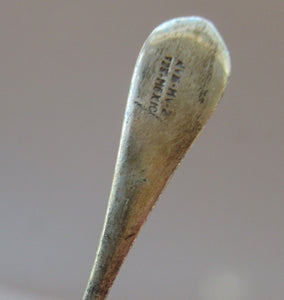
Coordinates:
[130,236]
[208,69]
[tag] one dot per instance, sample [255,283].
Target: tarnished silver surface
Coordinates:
[178,80]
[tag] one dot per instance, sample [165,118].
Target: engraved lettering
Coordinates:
[164,71]
[168,58]
[159,84]
[154,104]
[155,96]
[166,64]
[180,64]
[153,108]
[164,91]
[175,78]
[172,92]
[165,112]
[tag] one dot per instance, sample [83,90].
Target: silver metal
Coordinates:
[179,78]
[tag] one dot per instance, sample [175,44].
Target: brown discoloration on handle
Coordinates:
[179,78]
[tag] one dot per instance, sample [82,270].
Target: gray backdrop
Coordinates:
[217,231]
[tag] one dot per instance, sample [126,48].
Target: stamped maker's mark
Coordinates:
[164,91]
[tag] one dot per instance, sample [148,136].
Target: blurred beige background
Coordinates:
[217,231]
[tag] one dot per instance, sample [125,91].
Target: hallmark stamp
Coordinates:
[164,90]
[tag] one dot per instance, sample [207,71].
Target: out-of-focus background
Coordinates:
[217,230]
